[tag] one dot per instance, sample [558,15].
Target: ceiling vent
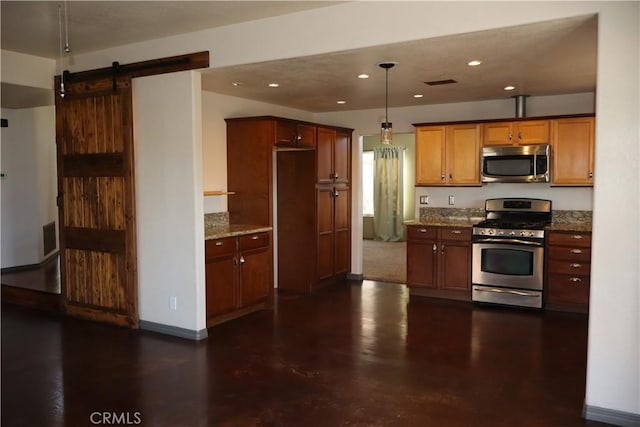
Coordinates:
[440,82]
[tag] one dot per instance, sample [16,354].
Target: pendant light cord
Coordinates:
[386,97]
[62,90]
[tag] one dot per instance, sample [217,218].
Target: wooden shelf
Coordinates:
[218,193]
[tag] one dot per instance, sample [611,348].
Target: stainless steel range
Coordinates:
[508,252]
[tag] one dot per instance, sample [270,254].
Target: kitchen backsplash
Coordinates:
[216,219]
[571,217]
[455,214]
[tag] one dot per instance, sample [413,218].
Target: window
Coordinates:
[367,183]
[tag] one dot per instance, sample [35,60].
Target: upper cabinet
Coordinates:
[291,133]
[572,144]
[523,132]
[333,153]
[448,155]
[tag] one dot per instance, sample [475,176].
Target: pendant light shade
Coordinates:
[386,128]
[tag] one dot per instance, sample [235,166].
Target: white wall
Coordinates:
[613,371]
[28,160]
[169,211]
[216,108]
[27,70]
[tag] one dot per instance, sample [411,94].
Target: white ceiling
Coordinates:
[553,57]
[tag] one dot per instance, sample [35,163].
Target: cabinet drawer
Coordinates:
[569,239]
[285,133]
[455,233]
[568,288]
[569,253]
[568,267]
[254,241]
[219,247]
[418,232]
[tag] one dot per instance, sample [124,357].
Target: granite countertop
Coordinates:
[230,230]
[445,222]
[570,221]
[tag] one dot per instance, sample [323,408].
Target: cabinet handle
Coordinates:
[590,174]
[442,249]
[576,265]
[241,260]
[456,232]
[254,237]
[510,136]
[435,248]
[336,176]
[576,237]
[218,243]
[576,251]
[423,230]
[575,280]
[297,138]
[336,193]
[442,177]
[450,176]
[520,135]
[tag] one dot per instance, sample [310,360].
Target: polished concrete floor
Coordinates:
[360,354]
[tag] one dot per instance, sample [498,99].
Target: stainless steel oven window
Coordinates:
[512,262]
[506,262]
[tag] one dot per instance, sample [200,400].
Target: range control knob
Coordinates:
[492,232]
[512,233]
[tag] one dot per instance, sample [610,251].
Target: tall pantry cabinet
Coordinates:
[294,176]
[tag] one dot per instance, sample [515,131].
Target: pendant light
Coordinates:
[386,128]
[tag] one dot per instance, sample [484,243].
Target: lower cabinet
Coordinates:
[238,276]
[439,261]
[568,271]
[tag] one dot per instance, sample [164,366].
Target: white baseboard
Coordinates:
[611,416]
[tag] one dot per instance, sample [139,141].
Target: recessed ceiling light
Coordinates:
[236,83]
[418,95]
[509,87]
[474,63]
[274,85]
[341,102]
[363,76]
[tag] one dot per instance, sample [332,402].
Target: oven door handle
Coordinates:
[515,241]
[507,291]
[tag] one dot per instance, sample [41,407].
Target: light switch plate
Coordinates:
[452,200]
[424,200]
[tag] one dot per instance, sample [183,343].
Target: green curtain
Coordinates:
[388,218]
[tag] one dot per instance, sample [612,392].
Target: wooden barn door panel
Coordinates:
[96,204]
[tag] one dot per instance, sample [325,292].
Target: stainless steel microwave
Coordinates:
[522,163]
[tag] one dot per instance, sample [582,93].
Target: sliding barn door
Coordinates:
[96,201]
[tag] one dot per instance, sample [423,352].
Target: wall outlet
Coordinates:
[424,200]
[173,303]
[452,200]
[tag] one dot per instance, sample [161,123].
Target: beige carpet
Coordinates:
[384,261]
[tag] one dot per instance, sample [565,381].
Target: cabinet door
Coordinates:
[463,154]
[454,265]
[305,135]
[430,155]
[325,223]
[531,132]
[572,143]
[342,158]
[255,272]
[421,263]
[221,293]
[324,155]
[499,133]
[342,230]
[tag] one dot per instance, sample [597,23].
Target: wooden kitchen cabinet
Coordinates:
[238,276]
[572,145]
[568,271]
[292,187]
[448,155]
[521,132]
[439,261]
[333,156]
[334,232]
